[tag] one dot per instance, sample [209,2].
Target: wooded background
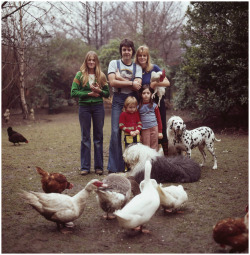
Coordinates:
[204,51]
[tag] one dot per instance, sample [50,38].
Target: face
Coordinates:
[126,53]
[91,63]
[142,58]
[146,94]
[131,108]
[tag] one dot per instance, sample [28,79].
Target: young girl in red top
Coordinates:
[130,122]
[150,118]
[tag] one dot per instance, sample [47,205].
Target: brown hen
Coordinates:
[53,182]
[232,232]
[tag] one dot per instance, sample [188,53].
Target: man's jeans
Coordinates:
[116,163]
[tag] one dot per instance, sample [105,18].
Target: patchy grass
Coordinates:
[54,145]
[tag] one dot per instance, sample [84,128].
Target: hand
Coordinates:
[132,133]
[95,87]
[160,135]
[153,84]
[137,132]
[118,75]
[93,94]
[136,85]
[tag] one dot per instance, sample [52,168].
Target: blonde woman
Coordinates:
[142,58]
[90,86]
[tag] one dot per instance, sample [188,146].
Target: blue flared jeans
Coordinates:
[116,163]
[97,114]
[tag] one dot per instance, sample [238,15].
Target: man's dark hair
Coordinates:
[127,43]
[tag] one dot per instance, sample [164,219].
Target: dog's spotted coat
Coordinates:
[199,137]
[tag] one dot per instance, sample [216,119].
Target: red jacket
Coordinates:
[130,122]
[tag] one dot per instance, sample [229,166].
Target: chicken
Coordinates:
[158,77]
[53,182]
[232,232]
[15,137]
[61,208]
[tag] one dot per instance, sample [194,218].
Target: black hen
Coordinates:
[15,137]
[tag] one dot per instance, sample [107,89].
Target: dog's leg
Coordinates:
[189,152]
[210,148]
[201,148]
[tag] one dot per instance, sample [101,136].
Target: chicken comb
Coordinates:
[163,75]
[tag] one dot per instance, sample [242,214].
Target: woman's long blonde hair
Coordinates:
[99,75]
[144,49]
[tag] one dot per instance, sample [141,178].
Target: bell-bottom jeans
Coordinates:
[97,114]
[116,163]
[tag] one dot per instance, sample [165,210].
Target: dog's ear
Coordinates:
[184,127]
[171,126]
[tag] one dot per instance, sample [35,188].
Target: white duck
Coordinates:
[115,195]
[172,197]
[61,208]
[143,206]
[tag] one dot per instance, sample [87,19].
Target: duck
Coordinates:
[172,197]
[140,209]
[115,195]
[61,208]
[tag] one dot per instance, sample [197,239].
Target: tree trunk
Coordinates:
[87,22]
[96,25]
[101,27]
[22,69]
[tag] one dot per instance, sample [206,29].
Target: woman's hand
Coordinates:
[95,87]
[160,135]
[93,94]
[153,84]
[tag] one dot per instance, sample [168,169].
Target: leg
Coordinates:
[164,140]
[85,123]
[145,137]
[154,138]
[201,148]
[116,163]
[98,123]
[210,148]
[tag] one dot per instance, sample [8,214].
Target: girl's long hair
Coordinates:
[144,49]
[145,86]
[99,75]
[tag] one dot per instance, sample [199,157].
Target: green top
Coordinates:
[77,90]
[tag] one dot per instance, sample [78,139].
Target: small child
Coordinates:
[130,122]
[150,118]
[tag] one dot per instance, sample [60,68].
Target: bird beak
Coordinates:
[103,186]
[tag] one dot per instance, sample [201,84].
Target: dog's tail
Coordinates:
[218,140]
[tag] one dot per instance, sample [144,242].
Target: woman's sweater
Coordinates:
[77,90]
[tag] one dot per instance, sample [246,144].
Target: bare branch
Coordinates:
[20,7]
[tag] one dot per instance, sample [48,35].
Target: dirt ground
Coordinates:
[54,145]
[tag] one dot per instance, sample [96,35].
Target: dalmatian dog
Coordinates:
[199,137]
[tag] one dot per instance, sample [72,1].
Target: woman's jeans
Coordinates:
[96,112]
[116,163]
